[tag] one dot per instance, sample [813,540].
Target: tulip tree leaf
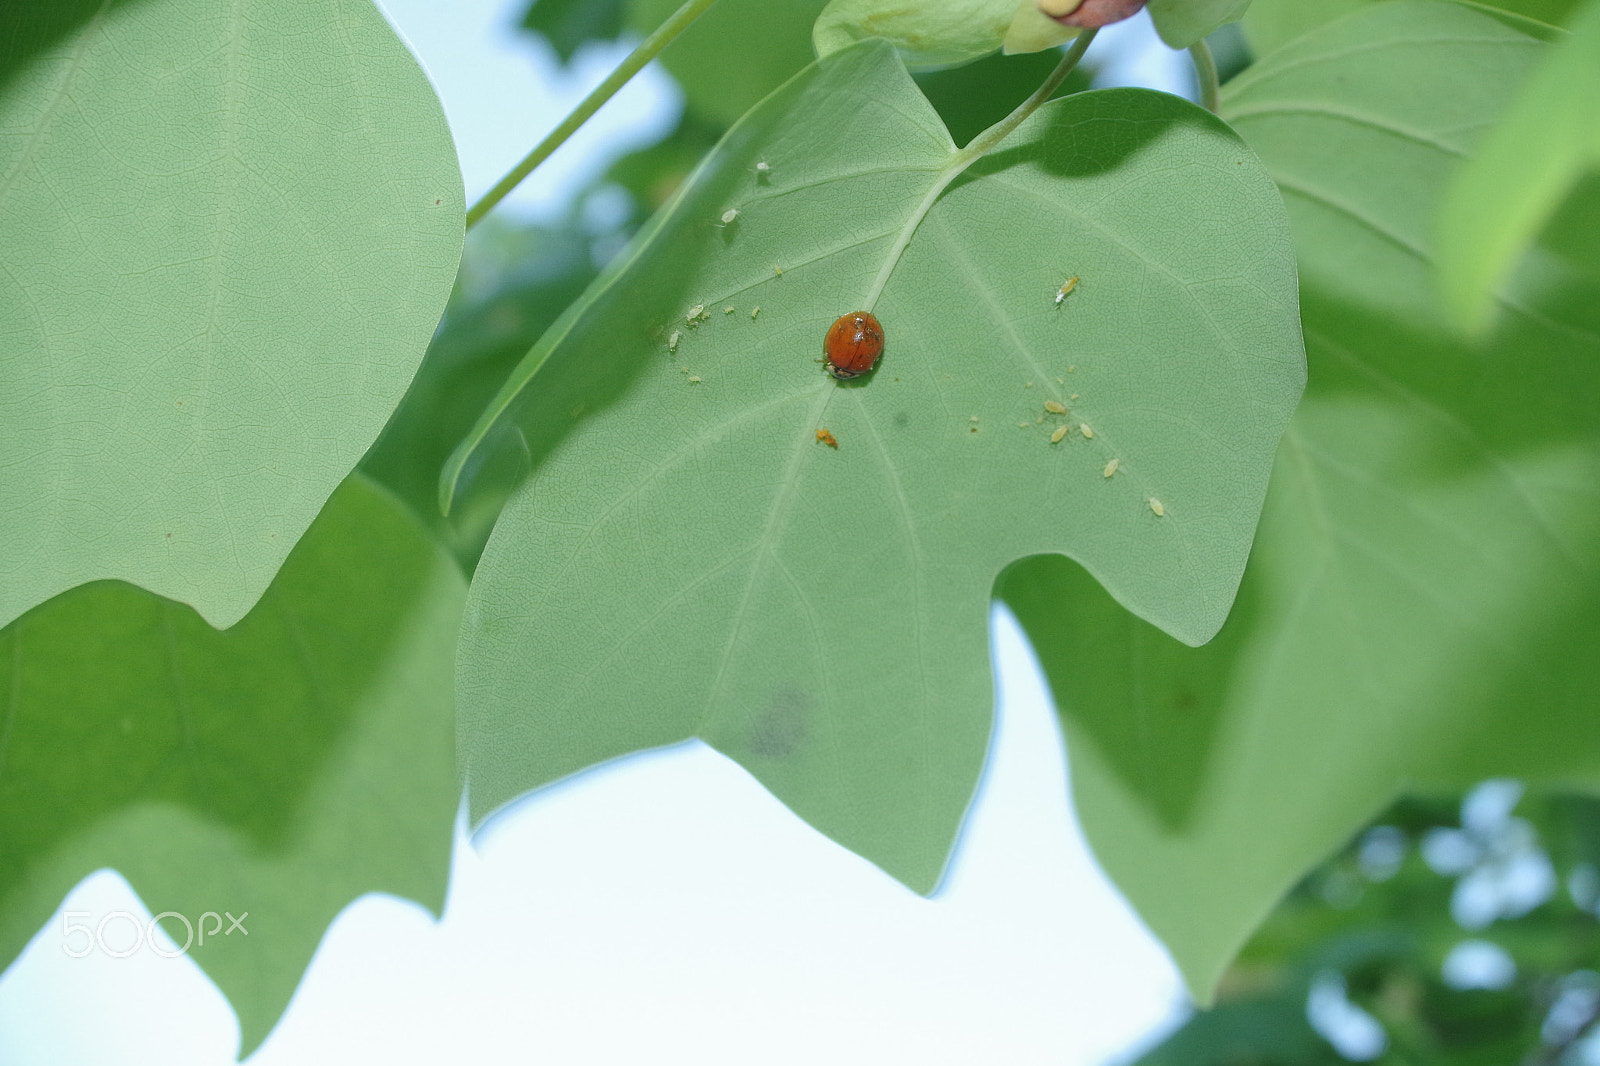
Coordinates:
[228,233]
[688,559]
[1547,142]
[1423,601]
[1271,24]
[282,768]
[1183,22]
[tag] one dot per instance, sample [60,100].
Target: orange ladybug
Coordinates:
[853,344]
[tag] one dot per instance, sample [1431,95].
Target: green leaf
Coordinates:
[736,53]
[928,35]
[569,24]
[1498,203]
[283,768]
[228,234]
[688,560]
[1182,23]
[1423,599]
[1271,24]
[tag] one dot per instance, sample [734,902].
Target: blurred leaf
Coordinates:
[652,175]
[568,24]
[1181,23]
[928,35]
[228,236]
[688,560]
[1503,197]
[1422,601]
[283,768]
[527,278]
[1271,24]
[736,53]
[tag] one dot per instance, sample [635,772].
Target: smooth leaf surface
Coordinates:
[284,767]
[1271,24]
[688,560]
[734,54]
[936,34]
[1423,601]
[1546,143]
[1181,23]
[225,236]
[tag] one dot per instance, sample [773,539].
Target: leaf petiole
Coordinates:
[648,49]
[1205,70]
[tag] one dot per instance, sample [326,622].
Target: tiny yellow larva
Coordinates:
[824,437]
[1155,505]
[1056,437]
[1083,427]
[1066,288]
[754,311]
[1054,407]
[1111,468]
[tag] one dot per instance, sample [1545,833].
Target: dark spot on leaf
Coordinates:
[782,726]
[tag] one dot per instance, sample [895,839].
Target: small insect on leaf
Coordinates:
[672,341]
[1054,407]
[694,380]
[778,270]
[727,310]
[1066,288]
[1111,468]
[763,170]
[1083,427]
[853,344]
[1059,434]
[697,314]
[754,311]
[824,437]
[1155,505]
[729,215]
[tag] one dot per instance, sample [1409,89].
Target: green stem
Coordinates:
[1205,69]
[647,50]
[976,149]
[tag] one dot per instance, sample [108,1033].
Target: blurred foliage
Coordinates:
[1436,937]
[514,282]
[568,24]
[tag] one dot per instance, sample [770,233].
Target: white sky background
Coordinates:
[665,909]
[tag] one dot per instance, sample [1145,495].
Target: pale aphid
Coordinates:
[729,215]
[1066,288]
[1055,407]
[1155,505]
[672,341]
[1083,427]
[1059,434]
[1111,468]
